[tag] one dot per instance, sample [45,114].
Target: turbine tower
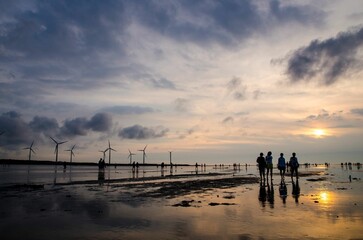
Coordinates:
[30,150]
[171,165]
[56,148]
[72,153]
[109,149]
[130,155]
[143,154]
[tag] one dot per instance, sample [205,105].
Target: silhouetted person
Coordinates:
[294,165]
[283,190]
[295,190]
[281,165]
[196,168]
[261,165]
[269,164]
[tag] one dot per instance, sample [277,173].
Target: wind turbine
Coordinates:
[30,150]
[130,155]
[143,154]
[72,153]
[170,152]
[56,148]
[109,149]
[104,154]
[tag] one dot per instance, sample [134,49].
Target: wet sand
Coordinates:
[322,204]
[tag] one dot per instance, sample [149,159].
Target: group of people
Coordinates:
[265,165]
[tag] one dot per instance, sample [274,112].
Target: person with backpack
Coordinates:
[261,165]
[294,165]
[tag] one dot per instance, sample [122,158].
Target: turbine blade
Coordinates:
[129,151]
[145,147]
[53,140]
[73,146]
[62,142]
[31,145]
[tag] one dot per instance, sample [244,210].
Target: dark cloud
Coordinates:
[139,132]
[125,110]
[224,22]
[20,132]
[44,125]
[100,122]
[285,13]
[78,40]
[324,115]
[329,59]
[358,111]
[228,120]
[16,130]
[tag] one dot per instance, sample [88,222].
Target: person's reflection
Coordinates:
[262,194]
[270,193]
[101,176]
[295,190]
[283,191]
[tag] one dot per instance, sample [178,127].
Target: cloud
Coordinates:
[139,132]
[234,83]
[182,104]
[324,115]
[239,91]
[44,125]
[329,59]
[126,110]
[305,14]
[100,122]
[16,129]
[358,111]
[228,120]
[19,132]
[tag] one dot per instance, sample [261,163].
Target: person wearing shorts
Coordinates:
[281,165]
[269,163]
[261,165]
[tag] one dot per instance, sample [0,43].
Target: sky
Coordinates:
[212,81]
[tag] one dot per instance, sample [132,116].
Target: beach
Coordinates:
[83,203]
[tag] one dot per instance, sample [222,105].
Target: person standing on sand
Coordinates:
[269,163]
[261,165]
[294,165]
[281,165]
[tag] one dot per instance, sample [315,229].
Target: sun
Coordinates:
[319,133]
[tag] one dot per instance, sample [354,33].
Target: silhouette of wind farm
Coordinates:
[109,149]
[143,154]
[71,152]
[130,156]
[30,150]
[56,148]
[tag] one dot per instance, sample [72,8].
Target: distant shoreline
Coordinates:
[47,162]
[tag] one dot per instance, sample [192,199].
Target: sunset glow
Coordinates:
[216,81]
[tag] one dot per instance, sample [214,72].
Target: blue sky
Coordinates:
[212,81]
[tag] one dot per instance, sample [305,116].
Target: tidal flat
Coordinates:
[213,204]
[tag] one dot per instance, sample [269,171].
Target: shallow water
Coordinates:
[327,209]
